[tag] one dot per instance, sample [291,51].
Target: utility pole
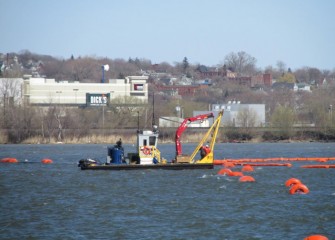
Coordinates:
[331,113]
[153,109]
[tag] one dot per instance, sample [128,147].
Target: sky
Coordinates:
[299,33]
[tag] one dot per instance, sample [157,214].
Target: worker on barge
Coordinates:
[204,151]
[116,153]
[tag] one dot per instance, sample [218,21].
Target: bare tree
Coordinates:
[22,123]
[241,62]
[276,72]
[246,118]
[52,120]
[9,96]
[281,66]
[55,69]
[302,75]
[119,67]
[163,67]
[84,69]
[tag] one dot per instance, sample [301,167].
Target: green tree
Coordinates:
[283,119]
[287,77]
[185,64]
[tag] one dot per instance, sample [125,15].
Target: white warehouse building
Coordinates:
[232,110]
[43,91]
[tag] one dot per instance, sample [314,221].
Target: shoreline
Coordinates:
[129,136]
[27,142]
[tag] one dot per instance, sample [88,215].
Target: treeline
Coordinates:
[88,68]
[285,110]
[29,124]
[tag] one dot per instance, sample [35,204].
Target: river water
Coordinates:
[60,201]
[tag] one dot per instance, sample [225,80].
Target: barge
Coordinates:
[148,156]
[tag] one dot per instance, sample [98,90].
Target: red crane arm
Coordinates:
[183,126]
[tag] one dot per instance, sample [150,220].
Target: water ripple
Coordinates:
[59,201]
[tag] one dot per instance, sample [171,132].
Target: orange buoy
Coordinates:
[247,168]
[9,160]
[46,161]
[235,174]
[292,181]
[316,237]
[299,188]
[246,179]
[224,171]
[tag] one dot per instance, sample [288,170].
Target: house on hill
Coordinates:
[182,90]
[283,86]
[302,87]
[206,72]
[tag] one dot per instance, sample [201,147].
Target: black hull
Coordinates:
[169,166]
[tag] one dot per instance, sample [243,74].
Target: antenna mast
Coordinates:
[153,109]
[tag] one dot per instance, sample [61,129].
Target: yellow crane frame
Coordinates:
[209,158]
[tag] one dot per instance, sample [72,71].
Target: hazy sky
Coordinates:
[297,32]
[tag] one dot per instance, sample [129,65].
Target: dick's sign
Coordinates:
[97,99]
